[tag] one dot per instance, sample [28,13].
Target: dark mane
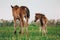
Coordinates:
[40,14]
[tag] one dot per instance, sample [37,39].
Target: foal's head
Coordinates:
[38,16]
[14,8]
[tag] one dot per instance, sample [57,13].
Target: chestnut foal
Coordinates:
[43,21]
[20,13]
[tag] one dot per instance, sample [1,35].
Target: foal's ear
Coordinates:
[11,6]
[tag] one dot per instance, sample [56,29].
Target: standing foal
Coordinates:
[20,13]
[43,21]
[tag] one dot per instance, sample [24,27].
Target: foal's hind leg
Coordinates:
[14,25]
[27,26]
[22,26]
[44,29]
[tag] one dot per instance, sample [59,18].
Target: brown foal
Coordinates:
[20,13]
[43,21]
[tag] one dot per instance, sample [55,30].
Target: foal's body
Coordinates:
[20,13]
[43,21]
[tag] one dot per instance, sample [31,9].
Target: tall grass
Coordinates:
[53,33]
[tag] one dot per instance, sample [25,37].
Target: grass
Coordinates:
[6,33]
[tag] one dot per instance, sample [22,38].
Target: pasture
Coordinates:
[53,33]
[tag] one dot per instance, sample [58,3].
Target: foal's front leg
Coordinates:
[44,29]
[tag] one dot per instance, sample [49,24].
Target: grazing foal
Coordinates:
[43,21]
[20,13]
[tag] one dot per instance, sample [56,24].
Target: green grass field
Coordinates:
[6,33]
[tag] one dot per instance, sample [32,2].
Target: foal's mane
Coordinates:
[39,14]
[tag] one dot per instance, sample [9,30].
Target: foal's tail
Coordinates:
[28,12]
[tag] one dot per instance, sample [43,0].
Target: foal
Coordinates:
[43,21]
[20,13]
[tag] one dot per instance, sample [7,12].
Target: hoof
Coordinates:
[20,32]
[14,32]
